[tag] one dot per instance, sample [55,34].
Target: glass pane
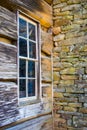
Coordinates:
[31,87]
[31,69]
[32,50]
[22,68]
[22,87]
[22,47]
[22,28]
[32,32]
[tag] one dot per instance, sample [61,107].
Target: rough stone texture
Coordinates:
[47,44]
[69,64]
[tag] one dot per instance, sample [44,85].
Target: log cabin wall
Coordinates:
[70,64]
[11,110]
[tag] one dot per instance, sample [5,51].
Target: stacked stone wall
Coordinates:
[70,64]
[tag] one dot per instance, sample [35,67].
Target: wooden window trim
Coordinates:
[31,100]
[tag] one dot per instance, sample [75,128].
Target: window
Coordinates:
[28,58]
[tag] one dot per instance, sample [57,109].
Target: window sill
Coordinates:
[28,102]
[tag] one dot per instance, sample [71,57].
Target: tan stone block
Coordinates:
[69,89]
[69,17]
[47,44]
[55,123]
[83,110]
[65,13]
[60,5]
[46,91]
[75,104]
[56,2]
[56,30]
[73,1]
[56,69]
[68,71]
[72,60]
[71,128]
[67,77]
[65,49]
[66,82]
[56,11]
[59,37]
[85,6]
[74,34]
[66,64]
[55,54]
[58,95]
[56,128]
[56,59]
[56,115]
[57,65]
[62,122]
[86,70]
[57,49]
[83,48]
[62,103]
[71,41]
[58,107]
[56,82]
[61,22]
[70,109]
[56,76]
[78,16]
[63,0]
[73,27]
[46,64]
[46,76]
[71,7]
[84,16]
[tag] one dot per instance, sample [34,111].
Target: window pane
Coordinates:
[31,69]
[22,68]
[31,87]
[22,47]
[32,32]
[32,50]
[22,28]
[22,87]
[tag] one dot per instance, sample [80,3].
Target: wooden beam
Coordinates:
[37,9]
[48,1]
[25,120]
[5,40]
[8,24]
[8,65]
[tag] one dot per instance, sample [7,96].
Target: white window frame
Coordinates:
[37,60]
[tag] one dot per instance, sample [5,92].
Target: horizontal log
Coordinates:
[8,24]
[48,1]
[37,9]
[8,67]
[30,122]
[5,40]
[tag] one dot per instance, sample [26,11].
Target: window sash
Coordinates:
[35,60]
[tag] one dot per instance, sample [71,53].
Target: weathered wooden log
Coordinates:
[8,67]
[41,122]
[8,24]
[49,1]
